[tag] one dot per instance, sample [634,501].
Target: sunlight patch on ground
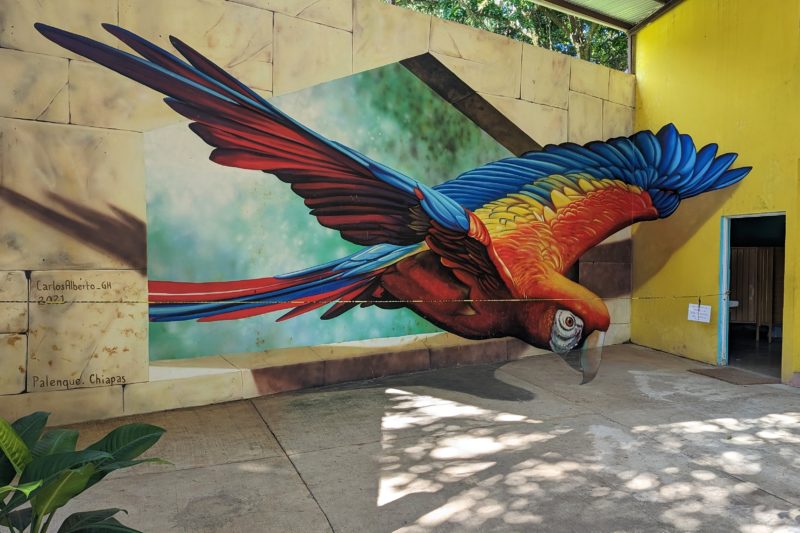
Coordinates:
[421,410]
[734,445]
[476,473]
[448,459]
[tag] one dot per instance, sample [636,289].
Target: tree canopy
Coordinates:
[534,24]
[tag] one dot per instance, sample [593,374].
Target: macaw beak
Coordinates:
[587,359]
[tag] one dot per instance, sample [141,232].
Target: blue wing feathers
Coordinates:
[666,164]
[689,153]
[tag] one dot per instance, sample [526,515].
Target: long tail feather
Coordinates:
[338,282]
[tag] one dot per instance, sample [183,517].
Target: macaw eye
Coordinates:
[567,321]
[566,331]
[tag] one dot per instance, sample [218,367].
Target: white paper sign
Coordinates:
[700,313]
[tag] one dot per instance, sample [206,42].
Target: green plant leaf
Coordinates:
[81,521]
[129,441]
[29,428]
[56,441]
[25,489]
[62,489]
[18,519]
[7,471]
[46,468]
[22,494]
[50,465]
[13,447]
[109,525]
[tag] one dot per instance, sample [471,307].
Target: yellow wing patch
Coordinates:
[541,200]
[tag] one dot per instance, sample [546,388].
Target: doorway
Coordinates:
[755,266]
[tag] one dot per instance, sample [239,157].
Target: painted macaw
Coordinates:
[482,255]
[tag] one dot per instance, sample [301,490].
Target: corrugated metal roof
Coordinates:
[633,11]
[621,14]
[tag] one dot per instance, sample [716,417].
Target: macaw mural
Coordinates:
[483,255]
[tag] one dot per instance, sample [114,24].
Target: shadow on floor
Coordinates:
[478,380]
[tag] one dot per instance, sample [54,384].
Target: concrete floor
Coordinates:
[518,446]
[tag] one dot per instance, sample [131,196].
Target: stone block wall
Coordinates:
[72,198]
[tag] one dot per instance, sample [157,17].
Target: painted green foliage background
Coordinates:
[212,223]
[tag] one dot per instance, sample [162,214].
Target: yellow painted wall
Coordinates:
[724,71]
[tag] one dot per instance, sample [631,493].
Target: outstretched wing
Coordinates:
[536,233]
[545,209]
[367,202]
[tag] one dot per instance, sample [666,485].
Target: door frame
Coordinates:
[725,280]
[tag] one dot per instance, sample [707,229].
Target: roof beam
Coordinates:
[565,6]
[474,106]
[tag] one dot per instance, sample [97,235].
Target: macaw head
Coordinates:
[570,320]
[580,347]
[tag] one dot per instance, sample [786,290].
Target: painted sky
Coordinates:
[213,223]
